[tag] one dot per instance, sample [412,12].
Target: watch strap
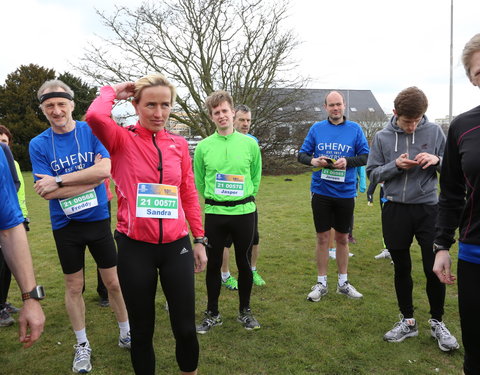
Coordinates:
[202,240]
[37,293]
[437,248]
[25,296]
[58,180]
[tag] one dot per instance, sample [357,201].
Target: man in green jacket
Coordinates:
[228,170]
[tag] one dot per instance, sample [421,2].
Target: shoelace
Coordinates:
[441,330]
[82,353]
[247,316]
[127,339]
[209,320]
[401,326]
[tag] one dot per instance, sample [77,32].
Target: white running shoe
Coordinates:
[446,341]
[384,254]
[401,330]
[81,360]
[348,290]
[125,342]
[318,291]
[332,253]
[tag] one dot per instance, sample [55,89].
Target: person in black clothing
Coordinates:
[459,208]
[371,191]
[384,253]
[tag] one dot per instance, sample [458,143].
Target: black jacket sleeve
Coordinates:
[304,158]
[357,161]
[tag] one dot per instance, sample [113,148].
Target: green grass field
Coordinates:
[336,336]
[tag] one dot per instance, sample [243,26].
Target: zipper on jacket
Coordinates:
[160,169]
[406,171]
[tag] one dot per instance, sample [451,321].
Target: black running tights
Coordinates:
[139,265]
[241,228]
[469,306]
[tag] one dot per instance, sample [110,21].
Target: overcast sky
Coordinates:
[378,45]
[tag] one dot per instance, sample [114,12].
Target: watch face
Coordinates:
[38,292]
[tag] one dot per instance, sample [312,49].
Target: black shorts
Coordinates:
[333,213]
[256,236]
[72,239]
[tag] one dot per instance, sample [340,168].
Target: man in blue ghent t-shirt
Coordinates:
[69,168]
[334,147]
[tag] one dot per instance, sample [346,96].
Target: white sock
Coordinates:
[124,328]
[342,278]
[81,336]
[254,269]
[225,276]
[322,280]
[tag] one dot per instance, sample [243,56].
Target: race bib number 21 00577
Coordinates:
[157,201]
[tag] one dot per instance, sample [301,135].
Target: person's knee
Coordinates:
[110,280]
[341,239]
[185,334]
[113,286]
[74,288]
[74,283]
[323,238]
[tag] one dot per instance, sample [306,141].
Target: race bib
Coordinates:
[79,203]
[157,201]
[337,175]
[229,185]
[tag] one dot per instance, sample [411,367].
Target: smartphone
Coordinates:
[329,163]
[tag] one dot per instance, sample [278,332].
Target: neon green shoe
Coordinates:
[257,279]
[231,283]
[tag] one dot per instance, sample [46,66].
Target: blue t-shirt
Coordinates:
[335,142]
[57,154]
[10,212]
[252,136]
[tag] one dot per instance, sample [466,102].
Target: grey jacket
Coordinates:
[413,186]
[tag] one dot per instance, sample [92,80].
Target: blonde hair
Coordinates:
[472,46]
[151,81]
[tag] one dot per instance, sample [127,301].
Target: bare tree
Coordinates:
[371,122]
[202,46]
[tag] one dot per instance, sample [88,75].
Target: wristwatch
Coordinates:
[437,248]
[37,293]
[58,180]
[202,240]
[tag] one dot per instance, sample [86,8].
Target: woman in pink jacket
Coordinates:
[156,197]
